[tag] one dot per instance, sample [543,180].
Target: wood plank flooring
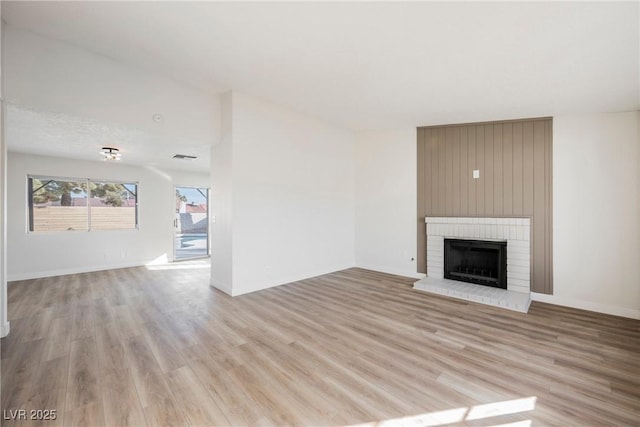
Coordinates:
[135,347]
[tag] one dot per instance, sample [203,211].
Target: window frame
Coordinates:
[87,182]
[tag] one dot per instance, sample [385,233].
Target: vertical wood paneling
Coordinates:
[448,170]
[431,182]
[487,179]
[432,152]
[426,179]
[464,172]
[498,165]
[507,165]
[480,199]
[473,188]
[455,172]
[515,163]
[527,190]
[517,170]
[423,197]
[527,168]
[442,172]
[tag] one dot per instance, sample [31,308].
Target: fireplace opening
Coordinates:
[476,261]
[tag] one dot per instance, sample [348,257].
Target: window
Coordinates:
[113,206]
[68,204]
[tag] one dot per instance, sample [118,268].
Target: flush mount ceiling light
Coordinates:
[110,153]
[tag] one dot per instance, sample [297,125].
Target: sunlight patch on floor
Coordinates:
[162,259]
[177,267]
[162,263]
[525,423]
[428,419]
[477,412]
[501,408]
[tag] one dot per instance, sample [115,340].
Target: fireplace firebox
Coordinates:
[476,261]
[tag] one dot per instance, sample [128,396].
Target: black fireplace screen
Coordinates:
[476,261]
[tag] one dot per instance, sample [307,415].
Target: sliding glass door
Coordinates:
[191,223]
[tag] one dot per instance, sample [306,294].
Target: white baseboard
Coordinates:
[4,330]
[587,305]
[224,287]
[391,270]
[77,270]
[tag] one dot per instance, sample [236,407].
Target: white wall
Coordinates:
[45,254]
[293,192]
[385,199]
[596,213]
[222,202]
[4,324]
[50,75]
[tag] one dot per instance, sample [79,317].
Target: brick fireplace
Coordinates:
[516,232]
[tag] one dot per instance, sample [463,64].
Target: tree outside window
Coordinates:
[61,204]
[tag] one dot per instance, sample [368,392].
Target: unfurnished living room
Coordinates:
[320,213]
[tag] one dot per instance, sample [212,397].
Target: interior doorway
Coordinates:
[191,224]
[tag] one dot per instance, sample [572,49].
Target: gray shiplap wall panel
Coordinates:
[518,192]
[473,187]
[424,203]
[507,171]
[464,167]
[498,175]
[488,170]
[480,183]
[514,158]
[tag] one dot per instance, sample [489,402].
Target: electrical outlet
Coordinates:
[476,174]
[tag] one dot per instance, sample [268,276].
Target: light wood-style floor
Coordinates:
[139,347]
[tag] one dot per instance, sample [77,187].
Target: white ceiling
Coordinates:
[372,65]
[70,136]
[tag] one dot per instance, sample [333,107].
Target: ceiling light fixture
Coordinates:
[110,153]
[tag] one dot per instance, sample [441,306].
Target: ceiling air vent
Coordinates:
[184,157]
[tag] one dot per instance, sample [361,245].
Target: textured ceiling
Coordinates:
[56,134]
